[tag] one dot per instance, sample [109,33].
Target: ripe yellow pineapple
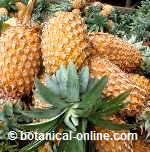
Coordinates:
[119,52]
[141,146]
[78,3]
[106,10]
[141,81]
[19,57]
[118,82]
[64,40]
[113,145]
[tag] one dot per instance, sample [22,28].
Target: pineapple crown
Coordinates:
[136,23]
[9,119]
[44,8]
[8,4]
[94,20]
[145,7]
[72,95]
[74,101]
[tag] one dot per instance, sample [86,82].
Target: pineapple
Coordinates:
[119,52]
[78,3]
[118,82]
[106,10]
[141,146]
[141,81]
[72,94]
[113,145]
[64,40]
[19,57]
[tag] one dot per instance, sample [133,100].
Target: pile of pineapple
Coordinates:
[28,50]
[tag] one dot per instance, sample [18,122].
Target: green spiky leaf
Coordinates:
[73,86]
[90,98]
[81,101]
[35,144]
[74,145]
[113,102]
[9,4]
[47,113]
[32,146]
[62,78]
[45,94]
[42,127]
[95,22]
[52,84]
[84,79]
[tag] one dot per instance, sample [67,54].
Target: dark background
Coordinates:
[128,3]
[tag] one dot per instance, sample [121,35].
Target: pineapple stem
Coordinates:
[28,11]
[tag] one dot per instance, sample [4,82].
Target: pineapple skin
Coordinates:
[106,10]
[64,40]
[79,4]
[140,146]
[39,104]
[113,145]
[141,81]
[19,60]
[118,82]
[119,52]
